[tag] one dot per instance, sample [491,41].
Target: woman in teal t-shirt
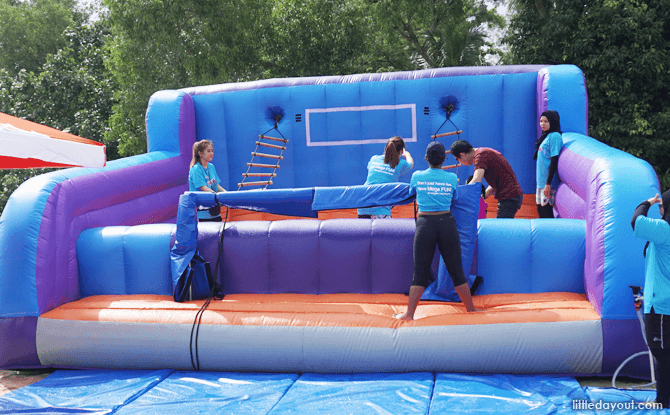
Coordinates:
[435,225]
[547,149]
[386,168]
[202,177]
[656,287]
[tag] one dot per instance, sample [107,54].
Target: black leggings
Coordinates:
[437,230]
[546,211]
[657,332]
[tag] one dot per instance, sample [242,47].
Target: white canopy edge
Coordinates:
[15,142]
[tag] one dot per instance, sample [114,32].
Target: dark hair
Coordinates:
[665,200]
[554,127]
[460,147]
[394,146]
[435,153]
[199,146]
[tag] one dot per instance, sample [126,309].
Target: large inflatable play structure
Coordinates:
[87,256]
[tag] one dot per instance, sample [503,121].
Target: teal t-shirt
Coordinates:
[198,176]
[435,189]
[379,173]
[550,147]
[657,263]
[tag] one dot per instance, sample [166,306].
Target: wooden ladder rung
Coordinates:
[254,184]
[283,140]
[259,174]
[258,143]
[446,134]
[272,156]
[269,166]
[451,167]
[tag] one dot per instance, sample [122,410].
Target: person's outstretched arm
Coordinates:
[409,158]
[643,208]
[478,176]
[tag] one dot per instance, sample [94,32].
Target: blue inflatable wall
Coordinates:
[335,124]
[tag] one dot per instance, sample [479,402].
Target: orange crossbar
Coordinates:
[269,166]
[259,143]
[453,166]
[283,140]
[259,174]
[446,134]
[254,183]
[272,156]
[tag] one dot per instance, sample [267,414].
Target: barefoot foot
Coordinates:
[403,316]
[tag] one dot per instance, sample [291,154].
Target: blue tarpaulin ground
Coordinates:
[168,392]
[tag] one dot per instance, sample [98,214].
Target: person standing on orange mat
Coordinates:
[547,149]
[496,170]
[435,225]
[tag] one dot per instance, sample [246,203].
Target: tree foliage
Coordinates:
[170,44]
[310,38]
[71,91]
[31,30]
[438,33]
[623,47]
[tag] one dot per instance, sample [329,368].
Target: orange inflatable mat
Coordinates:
[328,310]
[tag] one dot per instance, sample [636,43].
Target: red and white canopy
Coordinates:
[25,145]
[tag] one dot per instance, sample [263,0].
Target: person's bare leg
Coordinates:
[463,291]
[415,292]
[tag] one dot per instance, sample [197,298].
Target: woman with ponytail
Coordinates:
[547,149]
[202,177]
[387,168]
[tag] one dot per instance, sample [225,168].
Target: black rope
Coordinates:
[282,135]
[415,210]
[215,293]
[196,326]
[452,123]
[218,295]
[440,127]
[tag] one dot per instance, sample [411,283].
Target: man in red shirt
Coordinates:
[492,166]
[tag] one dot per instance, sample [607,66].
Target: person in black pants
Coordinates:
[492,166]
[657,288]
[547,149]
[435,225]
